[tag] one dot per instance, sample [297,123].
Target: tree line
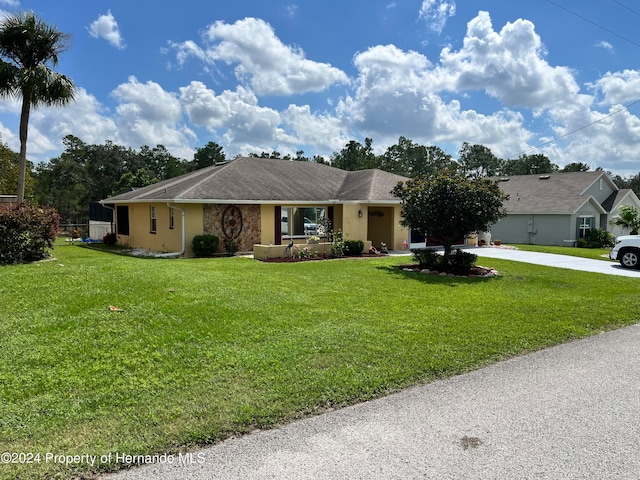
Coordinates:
[85,173]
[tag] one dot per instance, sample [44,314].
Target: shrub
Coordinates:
[110,239]
[458,262]
[462,261]
[204,245]
[26,233]
[353,247]
[230,246]
[582,243]
[600,238]
[427,258]
[337,243]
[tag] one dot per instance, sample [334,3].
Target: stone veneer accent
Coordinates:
[250,234]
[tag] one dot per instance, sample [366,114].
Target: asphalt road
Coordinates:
[567,412]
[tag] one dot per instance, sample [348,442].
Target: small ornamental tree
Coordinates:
[629,219]
[450,206]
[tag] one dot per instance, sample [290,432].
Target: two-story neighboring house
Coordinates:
[559,208]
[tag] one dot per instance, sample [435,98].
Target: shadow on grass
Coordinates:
[433,278]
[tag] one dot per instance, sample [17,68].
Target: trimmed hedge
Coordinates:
[353,247]
[205,245]
[26,233]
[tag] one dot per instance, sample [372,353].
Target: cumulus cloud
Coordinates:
[618,87]
[149,115]
[436,13]
[397,95]
[106,27]
[261,60]
[85,118]
[508,65]
[236,114]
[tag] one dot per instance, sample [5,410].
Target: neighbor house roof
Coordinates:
[558,193]
[264,180]
[618,197]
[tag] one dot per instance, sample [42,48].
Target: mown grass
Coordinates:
[595,253]
[207,348]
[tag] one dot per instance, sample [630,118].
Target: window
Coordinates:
[585,224]
[301,221]
[122,219]
[152,215]
[171,218]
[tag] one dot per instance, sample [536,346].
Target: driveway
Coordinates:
[567,412]
[553,260]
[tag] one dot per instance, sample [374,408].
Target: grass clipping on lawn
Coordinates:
[201,349]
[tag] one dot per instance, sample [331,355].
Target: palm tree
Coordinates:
[628,218]
[27,47]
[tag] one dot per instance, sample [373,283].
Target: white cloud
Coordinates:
[618,87]
[508,65]
[436,13]
[237,114]
[149,115]
[261,60]
[396,96]
[106,27]
[605,45]
[85,118]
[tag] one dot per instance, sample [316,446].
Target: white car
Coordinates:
[627,251]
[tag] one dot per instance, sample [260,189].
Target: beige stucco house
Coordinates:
[559,208]
[259,201]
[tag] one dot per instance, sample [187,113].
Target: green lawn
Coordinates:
[206,348]
[595,253]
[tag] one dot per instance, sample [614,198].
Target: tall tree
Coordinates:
[413,160]
[529,165]
[478,161]
[576,167]
[206,156]
[27,47]
[355,156]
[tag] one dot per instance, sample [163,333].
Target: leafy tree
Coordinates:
[9,163]
[450,206]
[629,219]
[27,47]
[206,156]
[413,160]
[576,167]
[138,179]
[529,165]
[479,161]
[355,156]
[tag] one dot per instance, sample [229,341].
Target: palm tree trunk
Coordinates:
[24,126]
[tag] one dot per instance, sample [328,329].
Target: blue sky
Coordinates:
[259,76]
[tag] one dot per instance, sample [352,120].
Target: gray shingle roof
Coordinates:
[269,180]
[559,193]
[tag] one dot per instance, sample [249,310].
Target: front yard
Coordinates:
[207,348]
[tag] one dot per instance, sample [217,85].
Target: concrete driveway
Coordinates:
[567,412]
[552,260]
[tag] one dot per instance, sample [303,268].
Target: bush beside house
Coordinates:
[26,233]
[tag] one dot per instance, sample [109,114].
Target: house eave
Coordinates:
[215,201]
